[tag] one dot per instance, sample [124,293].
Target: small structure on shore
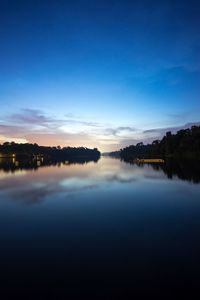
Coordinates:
[149,160]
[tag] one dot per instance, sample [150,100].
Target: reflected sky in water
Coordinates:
[83,223]
[75,180]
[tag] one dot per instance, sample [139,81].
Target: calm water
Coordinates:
[106,228]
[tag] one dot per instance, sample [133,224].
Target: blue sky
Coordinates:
[98,73]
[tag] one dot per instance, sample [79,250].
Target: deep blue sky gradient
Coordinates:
[98,72]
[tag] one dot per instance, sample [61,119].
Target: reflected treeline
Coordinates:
[186,170]
[12,164]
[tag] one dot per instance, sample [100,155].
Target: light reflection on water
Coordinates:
[69,224]
[24,185]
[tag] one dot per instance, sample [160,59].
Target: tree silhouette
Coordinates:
[33,151]
[183,144]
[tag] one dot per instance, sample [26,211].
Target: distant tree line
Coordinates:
[33,150]
[184,144]
[115,154]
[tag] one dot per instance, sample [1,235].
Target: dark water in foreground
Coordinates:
[108,230]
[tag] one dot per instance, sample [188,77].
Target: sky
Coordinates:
[102,74]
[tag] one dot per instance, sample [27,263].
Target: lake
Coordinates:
[108,229]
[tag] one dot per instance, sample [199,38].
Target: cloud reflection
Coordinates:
[66,181]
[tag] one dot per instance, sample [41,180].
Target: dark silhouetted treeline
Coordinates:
[33,151]
[115,154]
[184,144]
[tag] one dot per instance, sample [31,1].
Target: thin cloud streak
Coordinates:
[35,126]
[161,131]
[116,131]
[39,118]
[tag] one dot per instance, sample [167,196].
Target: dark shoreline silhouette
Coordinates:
[34,151]
[185,144]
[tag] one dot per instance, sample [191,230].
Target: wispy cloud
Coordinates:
[116,131]
[35,117]
[39,118]
[159,132]
[36,126]
[84,123]
[31,116]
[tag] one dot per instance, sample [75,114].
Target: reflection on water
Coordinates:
[108,227]
[13,164]
[185,170]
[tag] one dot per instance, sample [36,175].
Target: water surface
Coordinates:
[108,228]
